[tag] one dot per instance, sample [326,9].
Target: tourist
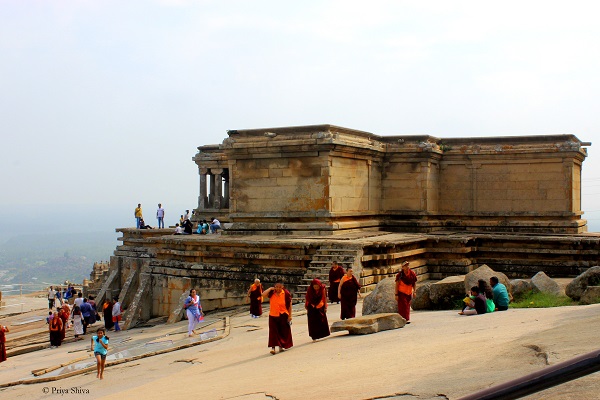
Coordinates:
[160,216]
[316,310]
[94,316]
[49,317]
[143,225]
[67,296]
[86,312]
[215,225]
[406,290]
[280,317]
[486,290]
[203,227]
[348,292]
[475,304]
[501,296]
[178,230]
[107,314]
[255,295]
[79,299]
[77,322]
[3,330]
[117,311]
[181,220]
[58,297]
[335,275]
[186,217]
[188,227]
[193,311]
[51,297]
[55,328]
[137,213]
[99,345]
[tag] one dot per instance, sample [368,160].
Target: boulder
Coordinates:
[369,324]
[484,272]
[543,283]
[591,277]
[520,288]
[445,293]
[381,299]
[591,295]
[422,301]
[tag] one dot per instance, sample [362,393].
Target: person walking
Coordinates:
[3,331]
[193,311]
[406,289]
[336,273]
[107,314]
[116,313]
[77,322]
[55,327]
[51,298]
[86,312]
[348,292]
[138,215]
[280,317]
[316,310]
[160,216]
[255,295]
[99,345]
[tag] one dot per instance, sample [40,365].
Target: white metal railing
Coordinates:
[21,289]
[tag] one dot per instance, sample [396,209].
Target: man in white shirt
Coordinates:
[160,216]
[51,298]
[214,225]
[186,216]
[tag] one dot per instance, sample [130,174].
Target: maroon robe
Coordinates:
[255,295]
[335,275]
[349,297]
[404,299]
[316,311]
[280,331]
[2,344]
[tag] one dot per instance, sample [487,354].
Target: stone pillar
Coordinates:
[218,191]
[226,189]
[202,199]
[211,195]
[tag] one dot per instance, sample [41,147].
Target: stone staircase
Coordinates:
[321,264]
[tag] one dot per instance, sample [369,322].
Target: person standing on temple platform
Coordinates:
[316,310]
[255,295]
[160,216]
[3,331]
[77,322]
[55,328]
[51,298]
[137,213]
[335,275]
[107,314]
[116,313]
[64,317]
[348,293]
[406,290]
[280,317]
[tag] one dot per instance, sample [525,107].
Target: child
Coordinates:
[100,348]
[475,304]
[49,317]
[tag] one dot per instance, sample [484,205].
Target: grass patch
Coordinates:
[543,300]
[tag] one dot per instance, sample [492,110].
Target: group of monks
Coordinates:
[343,289]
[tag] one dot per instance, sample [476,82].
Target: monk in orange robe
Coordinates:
[255,296]
[348,292]
[406,288]
[316,310]
[336,273]
[280,317]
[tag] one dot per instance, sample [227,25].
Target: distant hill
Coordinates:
[34,258]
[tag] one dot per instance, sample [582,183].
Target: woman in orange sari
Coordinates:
[316,310]
[406,288]
[348,292]
[280,317]
[3,330]
[255,296]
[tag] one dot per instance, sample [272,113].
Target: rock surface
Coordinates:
[445,293]
[520,287]
[381,299]
[543,283]
[484,272]
[591,277]
[591,295]
[369,324]
[422,301]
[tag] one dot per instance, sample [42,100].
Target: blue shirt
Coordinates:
[98,347]
[86,309]
[500,295]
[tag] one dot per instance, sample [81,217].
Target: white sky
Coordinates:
[105,102]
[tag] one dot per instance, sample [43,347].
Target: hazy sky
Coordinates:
[105,102]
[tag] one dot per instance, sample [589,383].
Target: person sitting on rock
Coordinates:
[501,296]
[188,227]
[178,230]
[215,225]
[475,304]
[143,225]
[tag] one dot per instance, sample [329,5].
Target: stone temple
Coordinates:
[294,199]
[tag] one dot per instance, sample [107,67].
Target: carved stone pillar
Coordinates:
[218,192]
[202,199]
[226,189]
[211,195]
